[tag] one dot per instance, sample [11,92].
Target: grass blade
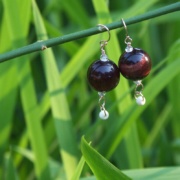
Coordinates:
[79,168]
[8,93]
[72,7]
[158,126]
[59,105]
[99,165]
[86,51]
[165,173]
[7,103]
[174,91]
[27,89]
[10,173]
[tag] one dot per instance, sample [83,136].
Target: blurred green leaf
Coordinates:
[174,90]
[18,35]
[101,167]
[79,168]
[79,59]
[11,172]
[72,7]
[158,126]
[59,105]
[165,173]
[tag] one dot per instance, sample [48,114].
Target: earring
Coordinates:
[103,75]
[135,64]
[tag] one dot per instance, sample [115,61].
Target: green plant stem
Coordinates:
[41,45]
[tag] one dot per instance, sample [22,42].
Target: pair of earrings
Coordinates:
[104,75]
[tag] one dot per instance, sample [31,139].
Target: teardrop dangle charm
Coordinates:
[103,75]
[140,99]
[103,114]
[134,64]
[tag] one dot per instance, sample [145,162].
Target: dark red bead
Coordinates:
[135,65]
[103,75]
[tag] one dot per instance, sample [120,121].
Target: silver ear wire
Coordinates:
[127,40]
[103,43]
[101,27]
[125,27]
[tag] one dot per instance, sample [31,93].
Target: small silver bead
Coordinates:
[141,100]
[103,114]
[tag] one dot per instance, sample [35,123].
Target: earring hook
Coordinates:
[101,27]
[103,43]
[125,27]
[127,40]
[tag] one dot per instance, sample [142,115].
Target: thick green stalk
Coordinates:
[38,46]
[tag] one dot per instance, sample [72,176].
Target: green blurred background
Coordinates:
[46,104]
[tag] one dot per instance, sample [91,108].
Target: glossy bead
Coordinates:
[103,75]
[135,65]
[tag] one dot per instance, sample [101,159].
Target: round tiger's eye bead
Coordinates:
[135,65]
[103,75]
